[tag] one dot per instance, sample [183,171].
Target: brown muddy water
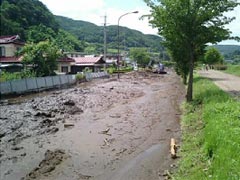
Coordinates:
[101,130]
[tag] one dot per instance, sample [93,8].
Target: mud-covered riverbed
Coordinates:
[104,129]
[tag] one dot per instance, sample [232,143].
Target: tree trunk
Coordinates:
[185,79]
[190,80]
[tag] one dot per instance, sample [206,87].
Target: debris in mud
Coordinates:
[166,174]
[121,152]
[173,148]
[115,116]
[47,123]
[2,134]
[106,143]
[49,130]
[16,148]
[48,164]
[68,124]
[105,132]
[44,114]
[111,114]
[75,110]
[69,102]
[82,176]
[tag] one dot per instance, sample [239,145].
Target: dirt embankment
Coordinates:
[105,129]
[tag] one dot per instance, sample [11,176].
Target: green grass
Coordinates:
[233,69]
[211,135]
[8,76]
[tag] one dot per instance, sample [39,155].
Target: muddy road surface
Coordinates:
[106,129]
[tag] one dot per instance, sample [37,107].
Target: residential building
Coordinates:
[74,65]
[9,45]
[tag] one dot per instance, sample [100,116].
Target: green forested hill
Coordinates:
[18,15]
[227,49]
[34,23]
[92,33]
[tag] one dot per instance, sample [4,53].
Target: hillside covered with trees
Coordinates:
[92,33]
[34,23]
[32,20]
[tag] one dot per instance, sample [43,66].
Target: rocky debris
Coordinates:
[16,148]
[40,117]
[74,110]
[50,130]
[69,103]
[47,123]
[105,131]
[51,160]
[82,176]
[44,114]
[2,134]
[115,115]
[68,124]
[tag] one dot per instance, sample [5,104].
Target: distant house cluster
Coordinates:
[9,45]
[71,63]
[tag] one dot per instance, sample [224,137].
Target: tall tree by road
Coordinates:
[213,56]
[140,55]
[187,26]
[41,57]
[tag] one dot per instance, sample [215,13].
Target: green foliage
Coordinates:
[140,55]
[234,56]
[111,70]
[187,26]
[226,50]
[41,57]
[35,23]
[87,70]
[62,39]
[18,15]
[93,34]
[38,33]
[213,56]
[211,139]
[233,69]
[7,76]
[68,42]
[80,76]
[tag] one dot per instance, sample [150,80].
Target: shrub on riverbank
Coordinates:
[8,76]
[211,135]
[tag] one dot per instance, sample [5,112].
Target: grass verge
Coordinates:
[211,135]
[233,69]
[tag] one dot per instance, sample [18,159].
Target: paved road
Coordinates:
[227,82]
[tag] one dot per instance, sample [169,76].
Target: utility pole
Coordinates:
[105,37]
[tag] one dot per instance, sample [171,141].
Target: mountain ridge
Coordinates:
[93,33]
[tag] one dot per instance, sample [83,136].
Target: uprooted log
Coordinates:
[173,149]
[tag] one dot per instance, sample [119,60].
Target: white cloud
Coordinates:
[76,9]
[94,10]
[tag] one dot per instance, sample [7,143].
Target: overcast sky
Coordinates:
[94,11]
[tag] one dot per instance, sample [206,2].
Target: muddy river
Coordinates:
[106,129]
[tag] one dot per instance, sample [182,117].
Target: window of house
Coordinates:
[2,51]
[65,69]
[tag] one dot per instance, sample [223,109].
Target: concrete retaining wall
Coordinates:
[90,76]
[42,83]
[35,84]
